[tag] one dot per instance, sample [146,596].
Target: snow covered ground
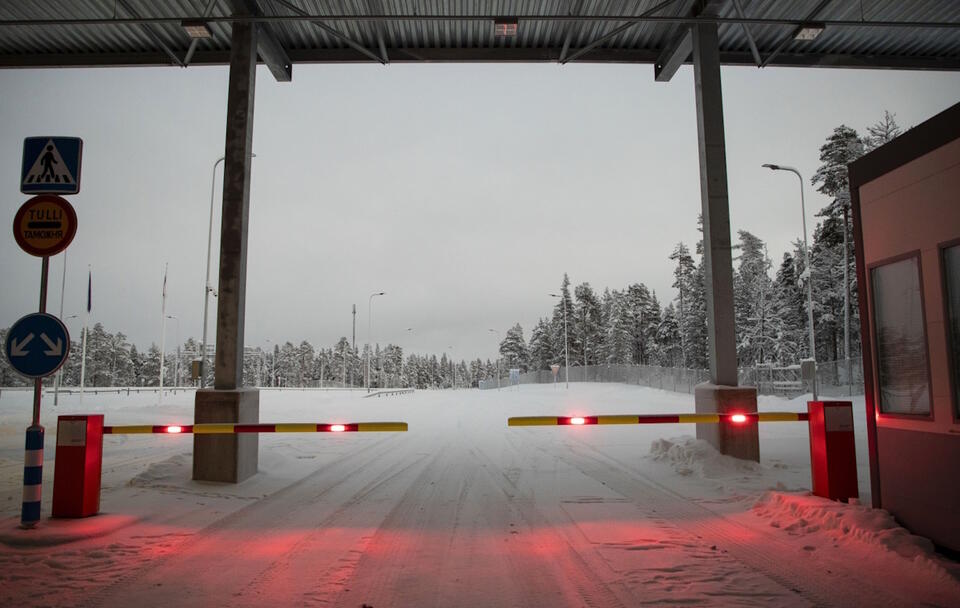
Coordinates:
[459,511]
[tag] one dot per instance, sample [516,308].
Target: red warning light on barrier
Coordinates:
[738,418]
[337,428]
[174,429]
[576,420]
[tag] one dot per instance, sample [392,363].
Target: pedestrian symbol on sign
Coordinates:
[49,168]
[51,165]
[49,161]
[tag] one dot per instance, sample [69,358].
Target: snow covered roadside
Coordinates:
[833,531]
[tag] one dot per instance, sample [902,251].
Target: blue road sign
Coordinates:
[37,345]
[51,165]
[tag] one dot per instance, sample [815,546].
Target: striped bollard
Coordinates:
[32,477]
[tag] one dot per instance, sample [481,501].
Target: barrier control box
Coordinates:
[76,475]
[833,454]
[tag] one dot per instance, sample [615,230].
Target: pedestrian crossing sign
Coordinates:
[51,165]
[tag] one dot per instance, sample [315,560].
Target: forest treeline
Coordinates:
[630,325]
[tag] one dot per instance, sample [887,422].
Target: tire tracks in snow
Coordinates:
[300,495]
[823,581]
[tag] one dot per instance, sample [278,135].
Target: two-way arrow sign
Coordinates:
[37,361]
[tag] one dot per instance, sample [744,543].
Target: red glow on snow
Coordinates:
[738,418]
[174,429]
[577,420]
[337,428]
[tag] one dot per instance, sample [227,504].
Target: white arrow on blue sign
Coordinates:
[37,345]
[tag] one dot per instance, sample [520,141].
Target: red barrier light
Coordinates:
[337,428]
[577,420]
[738,418]
[174,429]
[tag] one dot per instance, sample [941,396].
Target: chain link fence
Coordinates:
[835,378]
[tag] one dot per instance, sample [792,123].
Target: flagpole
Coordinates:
[163,328]
[63,285]
[86,318]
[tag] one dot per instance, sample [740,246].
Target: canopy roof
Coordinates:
[915,34]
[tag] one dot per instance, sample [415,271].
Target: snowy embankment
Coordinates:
[462,510]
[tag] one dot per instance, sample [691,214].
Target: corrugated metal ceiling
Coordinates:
[148,32]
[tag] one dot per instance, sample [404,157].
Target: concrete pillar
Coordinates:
[721,394]
[232,458]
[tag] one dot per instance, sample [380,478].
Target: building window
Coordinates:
[902,370]
[951,269]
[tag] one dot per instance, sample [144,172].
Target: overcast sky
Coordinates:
[463,191]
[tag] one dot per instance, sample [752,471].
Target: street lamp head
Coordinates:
[553,295]
[772,167]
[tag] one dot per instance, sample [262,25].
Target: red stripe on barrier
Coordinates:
[803,416]
[254,428]
[576,420]
[658,419]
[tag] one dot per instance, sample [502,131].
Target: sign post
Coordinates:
[39,344]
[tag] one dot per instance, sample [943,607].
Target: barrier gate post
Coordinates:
[76,473]
[833,455]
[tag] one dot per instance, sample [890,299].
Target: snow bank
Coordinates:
[840,523]
[169,473]
[690,456]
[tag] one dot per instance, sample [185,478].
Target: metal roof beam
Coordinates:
[615,32]
[673,56]
[152,35]
[678,51]
[400,18]
[316,20]
[268,46]
[570,28]
[746,30]
[379,29]
[789,37]
[484,55]
[194,41]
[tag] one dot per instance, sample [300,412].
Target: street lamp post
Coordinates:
[369,329]
[566,344]
[498,356]
[206,285]
[809,269]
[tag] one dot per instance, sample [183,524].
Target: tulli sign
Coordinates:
[45,225]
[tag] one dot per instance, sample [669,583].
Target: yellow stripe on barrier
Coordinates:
[699,418]
[533,421]
[374,427]
[133,429]
[295,427]
[210,428]
[616,419]
[778,417]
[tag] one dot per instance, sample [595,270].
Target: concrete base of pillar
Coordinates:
[229,458]
[737,440]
